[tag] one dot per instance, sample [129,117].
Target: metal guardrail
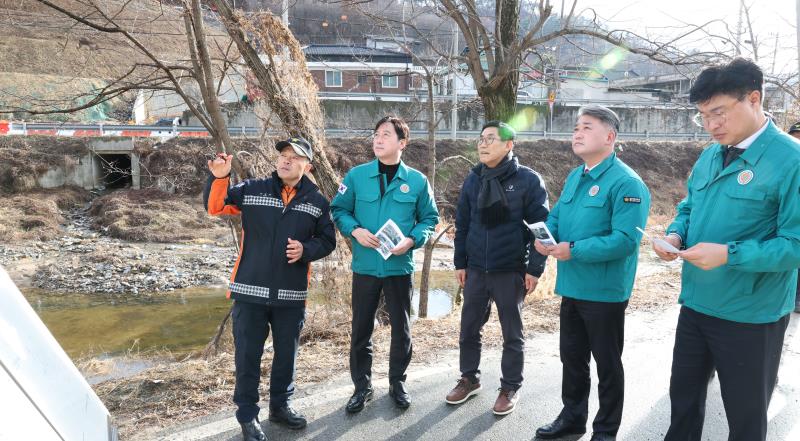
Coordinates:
[521,99]
[533,134]
[122,130]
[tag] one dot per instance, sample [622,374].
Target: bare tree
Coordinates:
[297,110]
[499,44]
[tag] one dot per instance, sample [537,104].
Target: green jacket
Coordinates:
[753,206]
[408,201]
[598,214]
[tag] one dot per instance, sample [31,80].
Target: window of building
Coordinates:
[333,78]
[389,81]
[362,79]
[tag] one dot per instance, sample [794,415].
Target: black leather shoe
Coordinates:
[399,394]
[603,437]
[251,431]
[559,428]
[288,417]
[358,400]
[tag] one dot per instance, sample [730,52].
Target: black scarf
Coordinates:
[492,202]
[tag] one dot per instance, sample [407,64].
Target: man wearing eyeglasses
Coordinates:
[493,259]
[739,231]
[370,195]
[794,131]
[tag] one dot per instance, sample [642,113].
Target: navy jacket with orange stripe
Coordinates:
[262,273]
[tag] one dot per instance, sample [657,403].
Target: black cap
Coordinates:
[300,146]
[794,128]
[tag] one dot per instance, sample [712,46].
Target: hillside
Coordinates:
[48,59]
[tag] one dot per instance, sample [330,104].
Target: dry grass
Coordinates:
[37,215]
[192,388]
[154,216]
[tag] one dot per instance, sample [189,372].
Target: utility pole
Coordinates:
[454,91]
[774,54]
[797,31]
[285,13]
[739,29]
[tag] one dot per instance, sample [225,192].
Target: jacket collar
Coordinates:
[513,158]
[760,144]
[402,170]
[750,156]
[303,187]
[604,165]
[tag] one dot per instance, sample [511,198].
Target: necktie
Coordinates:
[730,154]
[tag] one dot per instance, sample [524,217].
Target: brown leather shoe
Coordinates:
[506,402]
[463,390]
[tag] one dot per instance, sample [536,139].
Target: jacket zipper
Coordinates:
[486,252]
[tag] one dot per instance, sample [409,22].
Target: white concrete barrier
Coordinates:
[43,396]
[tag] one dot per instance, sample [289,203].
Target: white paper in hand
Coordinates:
[541,232]
[663,244]
[389,236]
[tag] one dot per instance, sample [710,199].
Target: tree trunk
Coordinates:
[305,121]
[425,277]
[499,103]
[424,283]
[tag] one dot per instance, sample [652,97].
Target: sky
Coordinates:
[661,19]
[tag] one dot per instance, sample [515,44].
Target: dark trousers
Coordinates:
[596,329]
[746,357]
[251,326]
[507,290]
[397,292]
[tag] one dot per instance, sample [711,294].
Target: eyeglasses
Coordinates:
[714,117]
[487,140]
[719,116]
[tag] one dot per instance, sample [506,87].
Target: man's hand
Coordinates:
[404,245]
[461,276]
[530,283]
[541,248]
[365,238]
[706,256]
[671,239]
[294,250]
[221,165]
[561,251]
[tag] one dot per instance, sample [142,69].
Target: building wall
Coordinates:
[370,82]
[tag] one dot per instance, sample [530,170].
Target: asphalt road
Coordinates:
[647,358]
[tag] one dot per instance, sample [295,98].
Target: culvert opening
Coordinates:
[115,171]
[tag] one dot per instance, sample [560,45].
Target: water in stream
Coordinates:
[179,322]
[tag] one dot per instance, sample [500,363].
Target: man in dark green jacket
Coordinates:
[739,228]
[595,224]
[370,195]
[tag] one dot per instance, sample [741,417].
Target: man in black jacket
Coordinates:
[286,224]
[494,259]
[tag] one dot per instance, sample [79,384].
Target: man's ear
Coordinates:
[611,137]
[308,168]
[755,97]
[403,144]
